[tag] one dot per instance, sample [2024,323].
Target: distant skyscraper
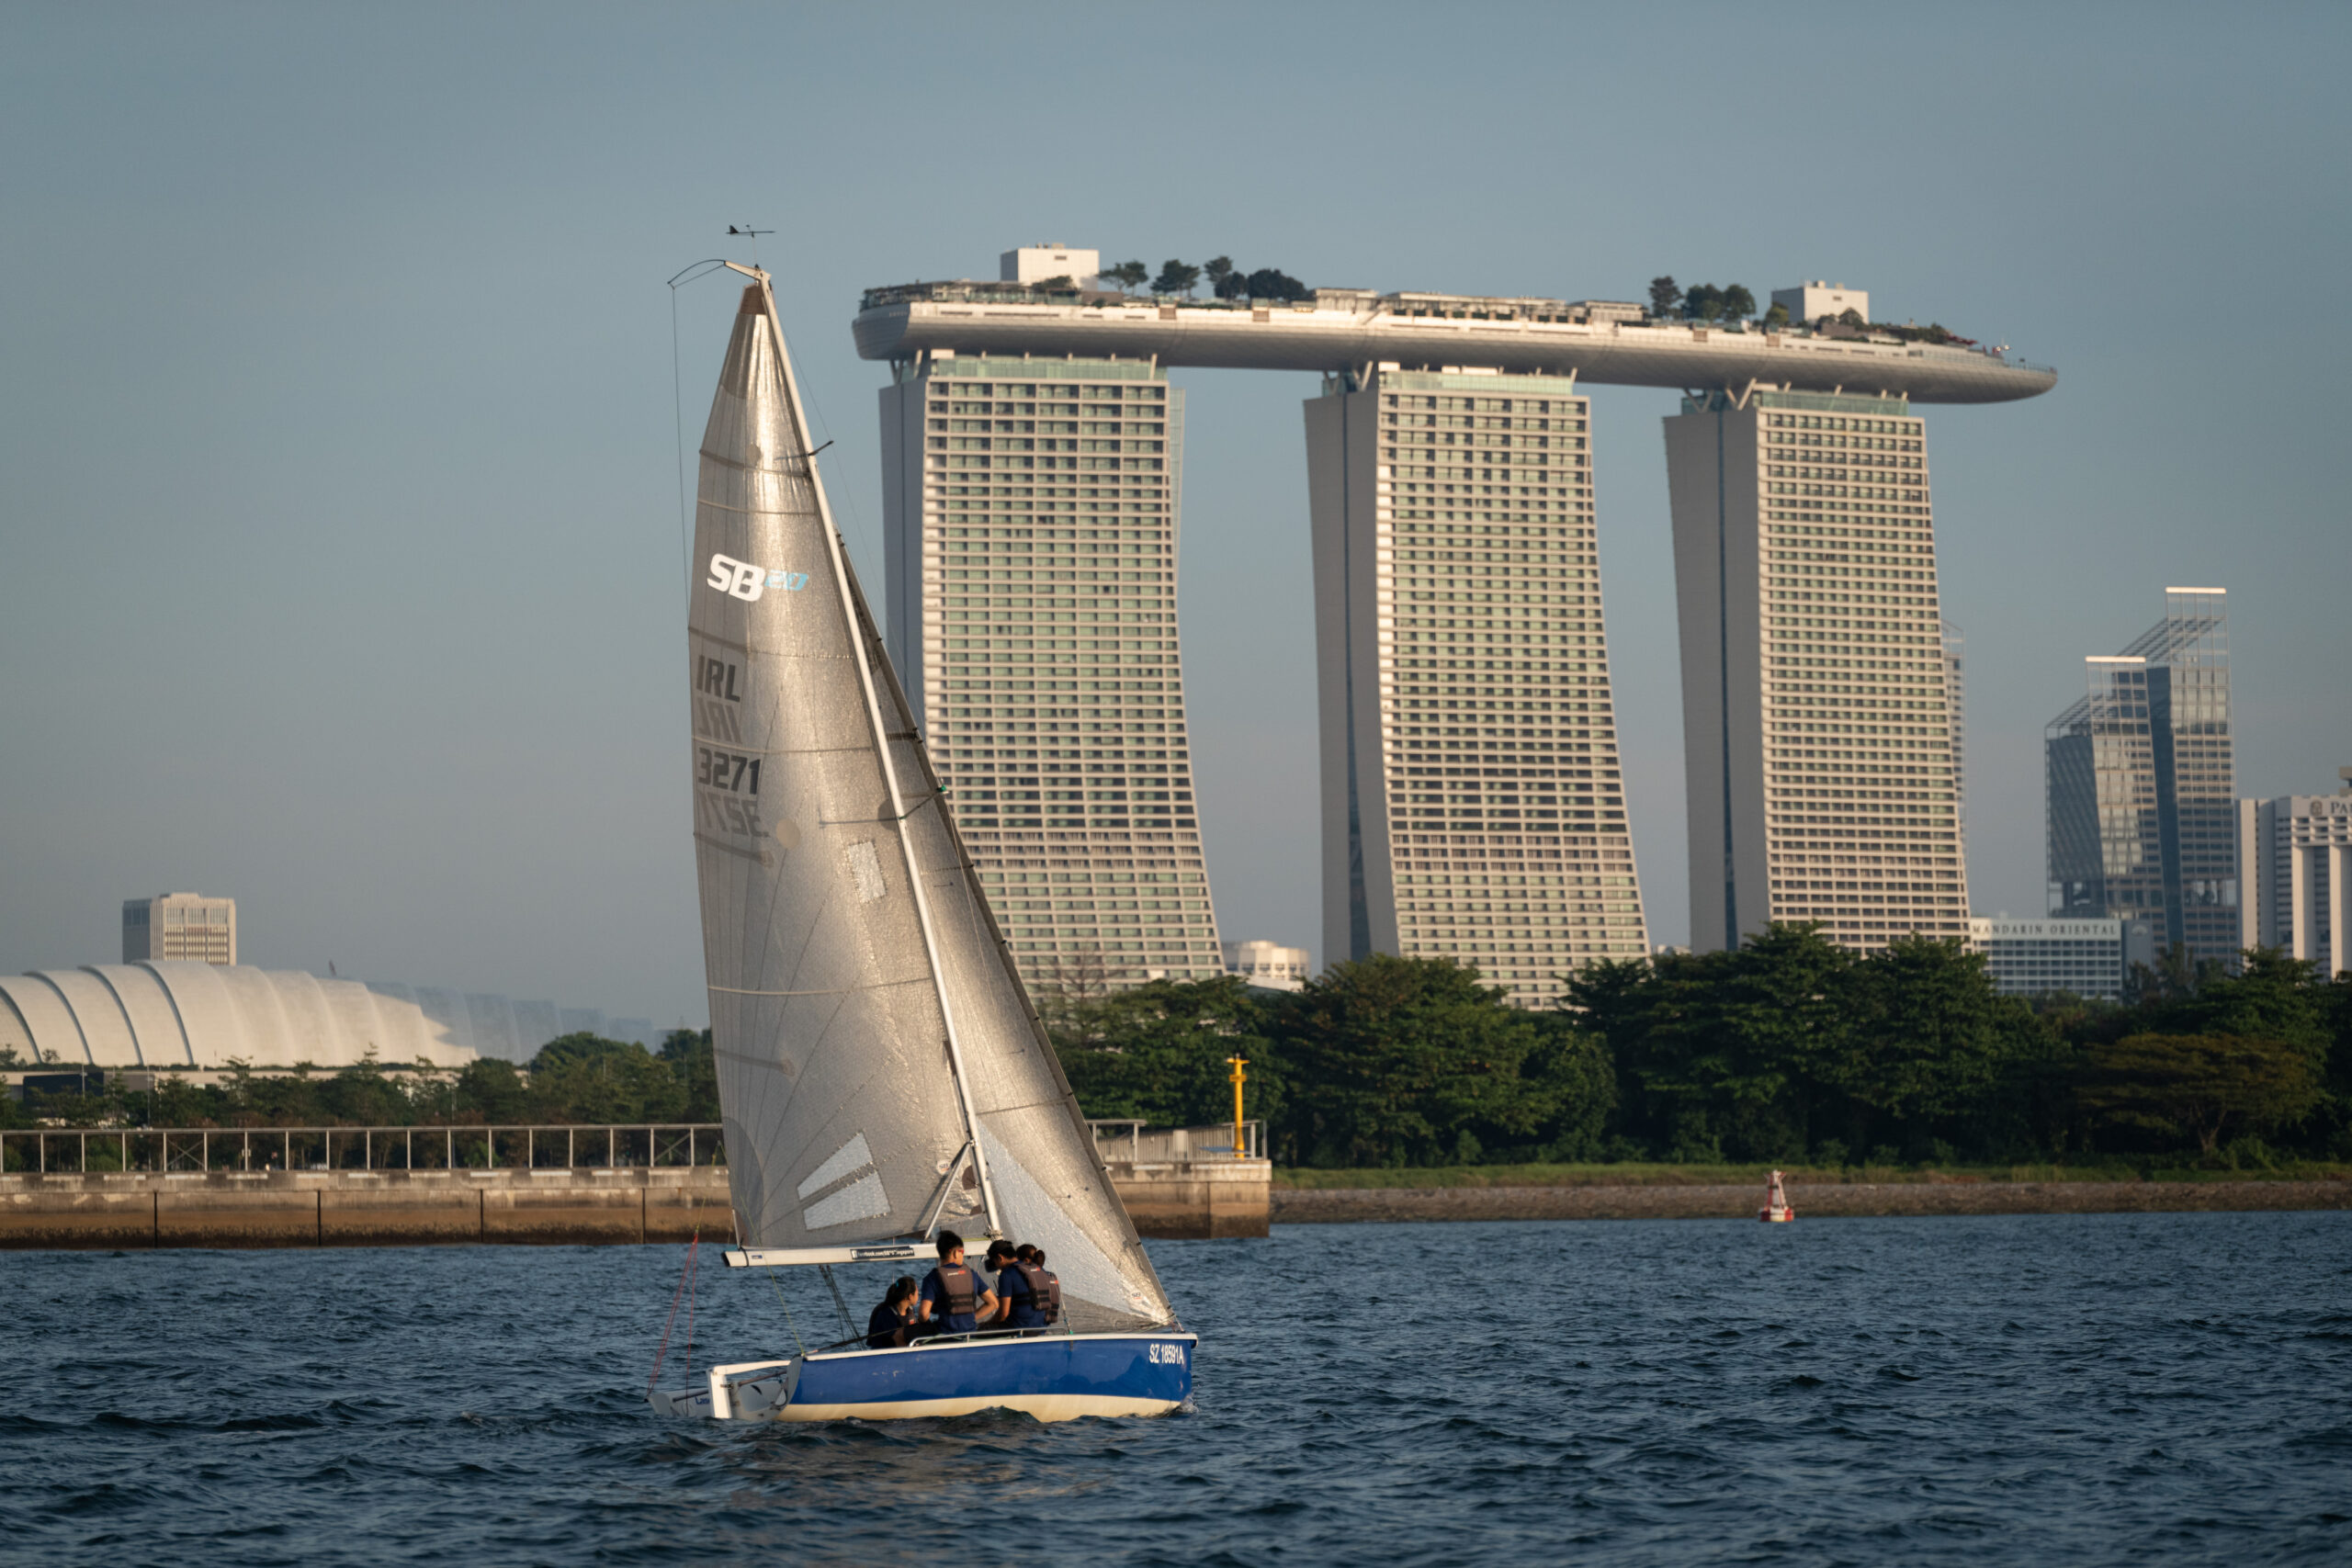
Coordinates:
[2295,868]
[2142,815]
[1031,511]
[1817,726]
[180,925]
[1472,803]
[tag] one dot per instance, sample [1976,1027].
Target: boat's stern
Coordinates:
[746,1391]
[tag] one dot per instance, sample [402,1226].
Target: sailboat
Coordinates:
[881,1072]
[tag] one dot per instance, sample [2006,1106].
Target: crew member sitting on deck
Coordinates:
[1000,1263]
[954,1298]
[892,1324]
[1015,1305]
[1016,1288]
[1044,1284]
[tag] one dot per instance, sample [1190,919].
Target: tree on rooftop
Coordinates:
[1128,275]
[1738,303]
[1777,317]
[1664,296]
[1267,283]
[1175,278]
[1218,270]
[1851,317]
[1703,303]
[1061,283]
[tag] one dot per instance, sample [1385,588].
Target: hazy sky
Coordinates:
[340,564]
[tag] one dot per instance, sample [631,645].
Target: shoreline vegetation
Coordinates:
[1898,1067]
[1788,1052]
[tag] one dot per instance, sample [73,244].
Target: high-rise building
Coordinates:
[1031,511]
[2295,867]
[180,925]
[1474,807]
[1816,719]
[2142,814]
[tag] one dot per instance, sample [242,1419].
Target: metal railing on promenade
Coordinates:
[164,1150]
[1126,1140]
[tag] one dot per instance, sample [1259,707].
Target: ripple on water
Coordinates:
[2061,1390]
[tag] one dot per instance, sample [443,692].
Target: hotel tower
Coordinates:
[1472,803]
[1029,513]
[1817,724]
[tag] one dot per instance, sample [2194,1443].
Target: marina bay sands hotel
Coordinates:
[1473,802]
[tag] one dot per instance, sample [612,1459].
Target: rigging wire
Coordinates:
[849,1324]
[796,1343]
[694,274]
[684,1274]
[678,422]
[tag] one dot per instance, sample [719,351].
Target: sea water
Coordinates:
[2124,1388]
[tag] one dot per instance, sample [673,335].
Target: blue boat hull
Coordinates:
[1051,1377]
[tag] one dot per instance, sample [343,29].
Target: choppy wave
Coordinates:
[2060,1390]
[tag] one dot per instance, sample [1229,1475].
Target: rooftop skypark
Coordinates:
[1353,330]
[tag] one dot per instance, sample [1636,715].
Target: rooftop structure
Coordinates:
[1047,264]
[180,925]
[1267,965]
[1812,301]
[1345,330]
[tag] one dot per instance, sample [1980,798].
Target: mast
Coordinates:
[882,749]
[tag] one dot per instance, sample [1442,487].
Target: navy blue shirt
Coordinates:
[934,1290]
[1010,1287]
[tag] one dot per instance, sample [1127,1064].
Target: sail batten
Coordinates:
[863,1002]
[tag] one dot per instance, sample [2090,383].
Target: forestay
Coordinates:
[880,1069]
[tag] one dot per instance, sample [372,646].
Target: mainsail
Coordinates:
[880,1069]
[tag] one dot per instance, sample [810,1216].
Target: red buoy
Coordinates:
[1776,1209]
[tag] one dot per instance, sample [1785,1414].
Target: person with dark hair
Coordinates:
[1000,1262]
[954,1297]
[1022,1286]
[1049,1287]
[892,1324]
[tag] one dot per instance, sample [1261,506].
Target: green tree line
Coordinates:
[1789,1049]
[576,1079]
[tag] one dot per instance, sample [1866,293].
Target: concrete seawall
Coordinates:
[351,1208]
[564,1206]
[1207,1198]
[1339,1205]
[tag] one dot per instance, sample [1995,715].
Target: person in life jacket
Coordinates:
[1016,1291]
[893,1322]
[1033,1292]
[954,1296]
[1008,1286]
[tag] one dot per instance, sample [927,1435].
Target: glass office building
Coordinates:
[2140,784]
